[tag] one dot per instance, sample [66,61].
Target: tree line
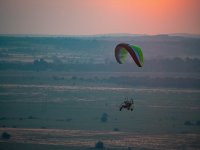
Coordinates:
[154,65]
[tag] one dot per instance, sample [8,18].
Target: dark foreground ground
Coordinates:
[81,139]
[43,113]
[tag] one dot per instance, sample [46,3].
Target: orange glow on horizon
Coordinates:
[100,16]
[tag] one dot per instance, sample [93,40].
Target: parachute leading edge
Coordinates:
[123,49]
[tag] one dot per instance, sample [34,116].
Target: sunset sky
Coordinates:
[89,17]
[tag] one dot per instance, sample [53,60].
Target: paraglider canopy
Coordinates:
[135,52]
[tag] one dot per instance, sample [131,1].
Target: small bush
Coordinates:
[115,129]
[198,122]
[188,123]
[21,118]
[104,117]
[99,145]
[43,127]
[69,119]
[3,118]
[31,117]
[5,135]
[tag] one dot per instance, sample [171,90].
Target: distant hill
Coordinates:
[186,35]
[99,47]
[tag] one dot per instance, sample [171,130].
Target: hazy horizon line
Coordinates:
[102,35]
